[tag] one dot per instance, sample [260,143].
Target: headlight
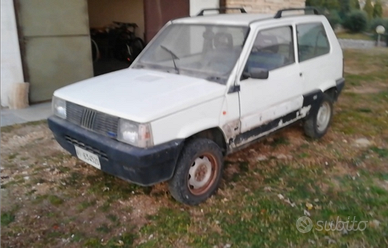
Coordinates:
[136,134]
[59,107]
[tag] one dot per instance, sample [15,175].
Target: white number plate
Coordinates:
[88,157]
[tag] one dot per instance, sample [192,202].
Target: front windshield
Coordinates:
[203,51]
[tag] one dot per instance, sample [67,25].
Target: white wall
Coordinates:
[11,64]
[197,5]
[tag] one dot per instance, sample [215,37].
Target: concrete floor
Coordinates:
[34,112]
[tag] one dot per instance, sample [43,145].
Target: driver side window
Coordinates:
[273,48]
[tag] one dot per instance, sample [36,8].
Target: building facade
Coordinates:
[263,6]
[47,42]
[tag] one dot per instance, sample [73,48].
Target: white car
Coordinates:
[203,88]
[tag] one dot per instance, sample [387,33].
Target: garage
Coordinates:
[116,32]
[55,38]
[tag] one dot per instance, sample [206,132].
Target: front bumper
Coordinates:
[138,165]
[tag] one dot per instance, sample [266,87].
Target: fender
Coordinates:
[197,127]
[313,99]
[327,85]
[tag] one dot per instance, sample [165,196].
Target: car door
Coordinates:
[269,104]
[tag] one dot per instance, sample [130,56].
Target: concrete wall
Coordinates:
[104,12]
[197,5]
[11,65]
[265,6]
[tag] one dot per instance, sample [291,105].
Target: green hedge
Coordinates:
[356,21]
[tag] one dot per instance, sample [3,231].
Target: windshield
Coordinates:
[203,51]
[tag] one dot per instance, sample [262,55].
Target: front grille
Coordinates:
[93,120]
[88,118]
[86,147]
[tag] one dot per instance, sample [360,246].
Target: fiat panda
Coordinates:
[204,87]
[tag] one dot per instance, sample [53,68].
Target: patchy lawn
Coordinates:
[50,199]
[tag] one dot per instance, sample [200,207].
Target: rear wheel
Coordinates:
[198,172]
[318,123]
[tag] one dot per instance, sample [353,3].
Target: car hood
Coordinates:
[140,95]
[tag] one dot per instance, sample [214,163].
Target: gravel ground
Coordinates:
[358,44]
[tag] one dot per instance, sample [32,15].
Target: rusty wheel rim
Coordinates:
[202,174]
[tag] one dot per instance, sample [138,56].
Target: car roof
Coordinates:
[241,19]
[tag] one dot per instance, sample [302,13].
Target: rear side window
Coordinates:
[312,41]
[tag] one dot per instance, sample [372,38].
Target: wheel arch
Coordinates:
[333,90]
[215,134]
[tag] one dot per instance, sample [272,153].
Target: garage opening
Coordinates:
[117,33]
[56,53]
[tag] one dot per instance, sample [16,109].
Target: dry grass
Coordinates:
[50,199]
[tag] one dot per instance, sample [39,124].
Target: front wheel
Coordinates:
[318,123]
[198,172]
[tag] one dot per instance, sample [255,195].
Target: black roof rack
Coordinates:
[242,10]
[306,10]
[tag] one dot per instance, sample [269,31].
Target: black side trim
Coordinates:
[265,128]
[313,99]
[340,85]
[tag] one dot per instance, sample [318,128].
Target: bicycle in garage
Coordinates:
[117,40]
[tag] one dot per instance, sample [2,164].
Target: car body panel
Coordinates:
[140,95]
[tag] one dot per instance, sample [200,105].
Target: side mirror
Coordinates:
[256,73]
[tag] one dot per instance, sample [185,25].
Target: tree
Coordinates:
[331,4]
[324,5]
[344,8]
[356,21]
[355,4]
[377,9]
[308,3]
[314,3]
[368,8]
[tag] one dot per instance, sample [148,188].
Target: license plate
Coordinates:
[88,157]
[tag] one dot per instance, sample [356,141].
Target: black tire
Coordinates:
[95,51]
[137,45]
[195,159]
[122,51]
[315,126]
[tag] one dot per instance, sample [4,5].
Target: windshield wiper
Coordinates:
[216,79]
[173,56]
